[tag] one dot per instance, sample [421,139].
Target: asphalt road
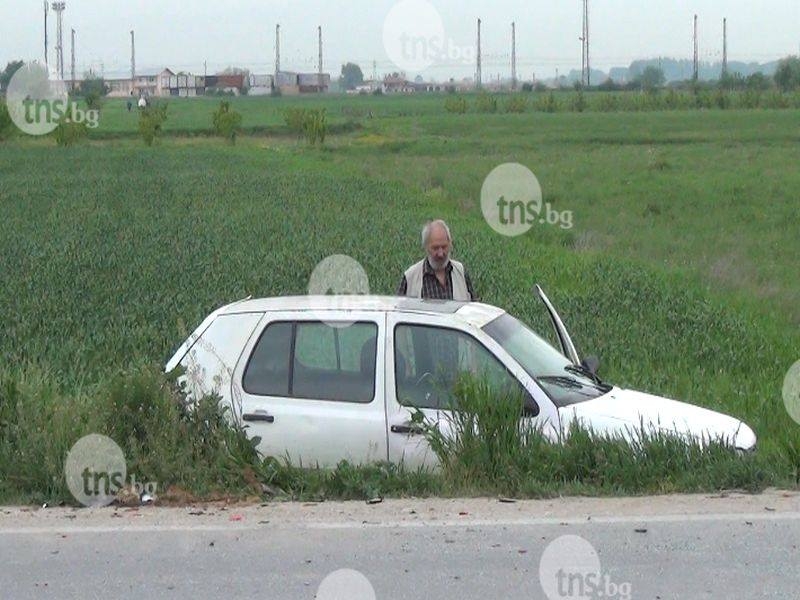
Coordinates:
[735,546]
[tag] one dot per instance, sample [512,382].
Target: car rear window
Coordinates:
[314,361]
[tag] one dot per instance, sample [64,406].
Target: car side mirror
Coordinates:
[591,363]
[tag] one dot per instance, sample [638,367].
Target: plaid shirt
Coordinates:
[432,289]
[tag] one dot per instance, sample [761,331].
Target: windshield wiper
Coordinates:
[567,382]
[581,370]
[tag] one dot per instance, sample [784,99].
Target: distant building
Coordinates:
[261,85]
[396,83]
[313,83]
[233,83]
[142,85]
[292,84]
[182,85]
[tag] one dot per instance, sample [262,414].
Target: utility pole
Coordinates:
[696,66]
[586,77]
[586,35]
[59,7]
[319,29]
[725,46]
[513,56]
[277,51]
[46,10]
[374,73]
[478,72]
[133,60]
[72,84]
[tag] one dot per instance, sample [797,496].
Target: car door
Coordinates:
[425,355]
[313,387]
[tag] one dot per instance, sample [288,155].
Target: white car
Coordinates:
[320,379]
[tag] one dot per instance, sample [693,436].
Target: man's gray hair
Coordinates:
[426,231]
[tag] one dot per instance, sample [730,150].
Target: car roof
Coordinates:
[474,313]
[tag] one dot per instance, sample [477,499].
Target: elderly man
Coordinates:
[437,276]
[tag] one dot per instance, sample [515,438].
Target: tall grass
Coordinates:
[486,446]
[196,453]
[193,451]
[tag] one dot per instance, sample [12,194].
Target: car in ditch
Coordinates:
[321,379]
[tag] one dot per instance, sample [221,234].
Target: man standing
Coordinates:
[437,276]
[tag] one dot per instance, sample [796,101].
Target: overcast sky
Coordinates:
[181,35]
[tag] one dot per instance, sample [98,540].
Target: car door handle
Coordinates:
[259,415]
[407,429]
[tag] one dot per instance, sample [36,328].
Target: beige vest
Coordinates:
[415,273]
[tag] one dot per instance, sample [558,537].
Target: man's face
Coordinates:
[438,248]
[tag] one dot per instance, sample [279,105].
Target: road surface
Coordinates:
[698,546]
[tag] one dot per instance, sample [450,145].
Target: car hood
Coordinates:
[624,413]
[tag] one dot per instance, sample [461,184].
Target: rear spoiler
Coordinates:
[196,335]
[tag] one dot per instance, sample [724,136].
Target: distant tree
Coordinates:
[651,79]
[609,85]
[8,73]
[93,88]
[731,81]
[758,82]
[527,86]
[351,76]
[787,75]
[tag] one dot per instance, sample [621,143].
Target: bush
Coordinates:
[227,122]
[486,103]
[144,412]
[608,103]
[311,123]
[775,100]
[751,99]
[315,126]
[93,101]
[6,124]
[516,104]
[456,105]
[579,101]
[151,121]
[67,133]
[527,87]
[722,99]
[547,103]
[294,119]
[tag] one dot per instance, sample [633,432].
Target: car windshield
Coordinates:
[556,375]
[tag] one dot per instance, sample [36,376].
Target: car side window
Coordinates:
[429,361]
[267,372]
[335,363]
[314,361]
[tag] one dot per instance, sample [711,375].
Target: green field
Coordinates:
[680,271]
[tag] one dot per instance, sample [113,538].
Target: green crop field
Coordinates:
[680,270]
